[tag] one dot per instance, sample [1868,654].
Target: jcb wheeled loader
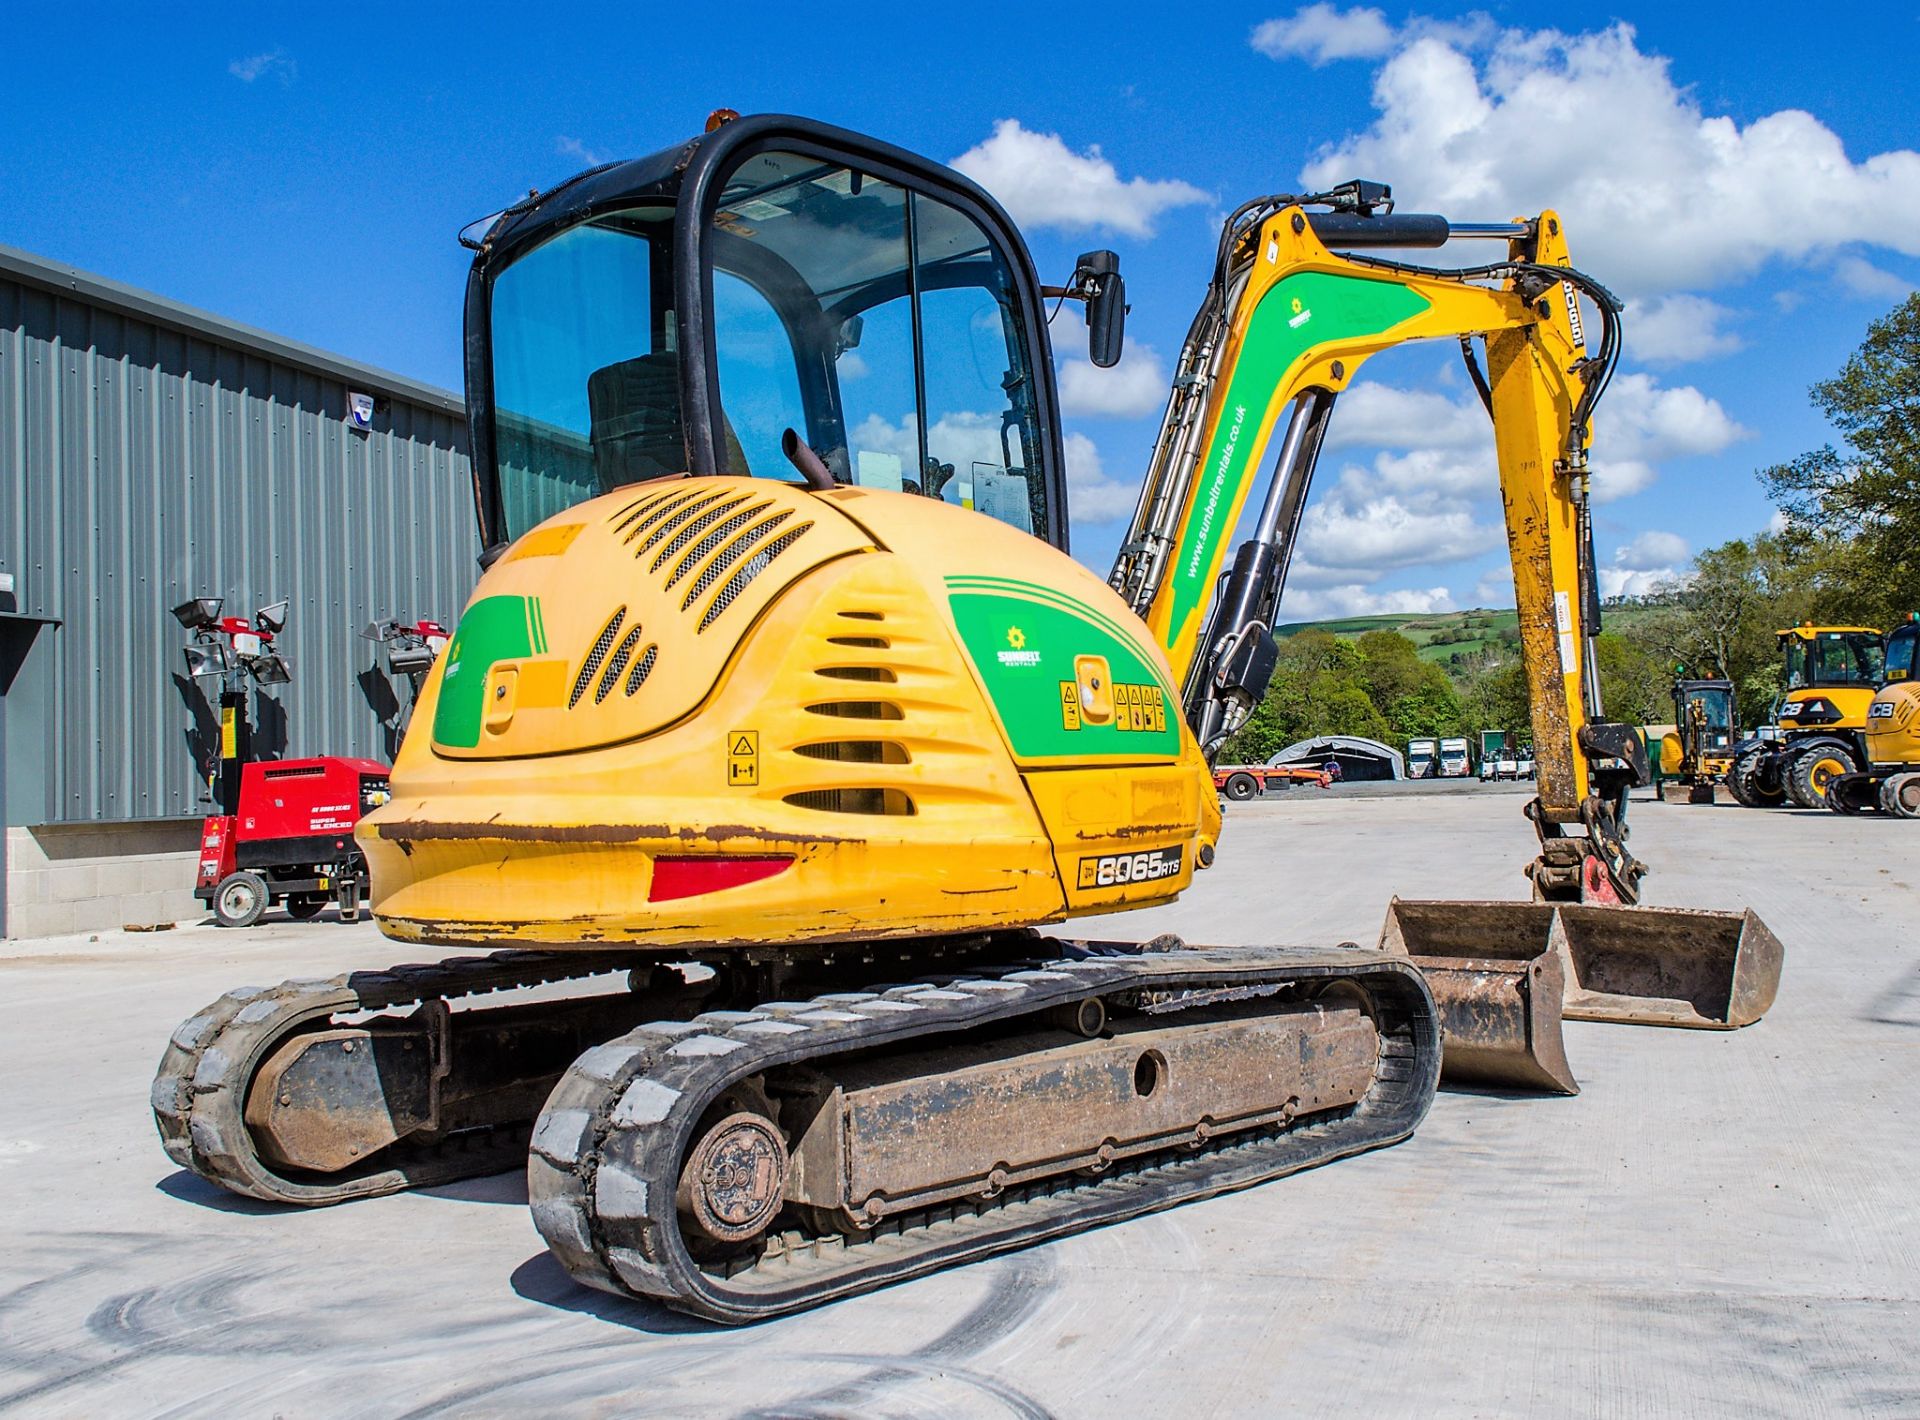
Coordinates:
[782,715]
[1832,673]
[1890,782]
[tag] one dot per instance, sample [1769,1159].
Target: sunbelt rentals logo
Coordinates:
[1017,653]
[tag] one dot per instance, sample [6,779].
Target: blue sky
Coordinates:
[1742,174]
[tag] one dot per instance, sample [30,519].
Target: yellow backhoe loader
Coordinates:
[1696,751]
[781,720]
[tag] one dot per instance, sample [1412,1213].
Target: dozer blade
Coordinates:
[1667,966]
[1497,978]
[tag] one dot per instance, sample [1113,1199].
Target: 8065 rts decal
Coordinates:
[1118,869]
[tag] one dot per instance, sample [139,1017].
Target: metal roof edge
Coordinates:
[63,279]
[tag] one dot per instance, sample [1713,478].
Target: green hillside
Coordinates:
[1441,635]
[1438,635]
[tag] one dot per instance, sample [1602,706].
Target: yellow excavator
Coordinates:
[1890,782]
[781,720]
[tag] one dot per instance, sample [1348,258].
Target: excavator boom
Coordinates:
[1283,329]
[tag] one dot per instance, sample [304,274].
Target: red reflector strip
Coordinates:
[690,877]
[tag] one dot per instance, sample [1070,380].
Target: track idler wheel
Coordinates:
[1900,796]
[734,1181]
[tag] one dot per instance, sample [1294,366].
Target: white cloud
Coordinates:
[1447,445]
[1624,582]
[1653,557]
[1352,530]
[1044,183]
[573,148]
[1652,548]
[1863,278]
[1378,416]
[1136,386]
[273,64]
[1651,422]
[1675,329]
[1495,589]
[1354,599]
[1658,195]
[1321,34]
[1094,497]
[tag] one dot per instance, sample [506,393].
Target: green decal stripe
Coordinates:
[1053,598]
[539,616]
[1024,680]
[493,629]
[1330,308]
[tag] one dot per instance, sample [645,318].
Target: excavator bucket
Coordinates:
[1667,966]
[1497,977]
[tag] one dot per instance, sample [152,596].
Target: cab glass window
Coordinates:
[585,380]
[879,324]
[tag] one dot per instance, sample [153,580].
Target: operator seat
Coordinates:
[636,429]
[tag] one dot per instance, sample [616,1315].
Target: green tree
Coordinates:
[1853,513]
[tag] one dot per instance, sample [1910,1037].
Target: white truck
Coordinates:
[1456,760]
[1423,757]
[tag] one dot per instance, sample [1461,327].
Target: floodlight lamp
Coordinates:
[272,617]
[207,659]
[380,630]
[271,669]
[410,659]
[198,613]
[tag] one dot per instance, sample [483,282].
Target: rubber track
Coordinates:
[607,1149]
[199,1092]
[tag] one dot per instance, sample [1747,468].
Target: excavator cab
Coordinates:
[677,315]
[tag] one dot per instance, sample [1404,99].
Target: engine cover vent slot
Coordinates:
[601,645]
[750,569]
[856,751]
[863,615]
[713,539]
[858,710]
[647,514]
[872,673]
[676,520]
[729,555]
[618,663]
[863,643]
[889,802]
[692,529]
[642,668]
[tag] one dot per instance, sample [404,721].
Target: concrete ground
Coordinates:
[1718,1225]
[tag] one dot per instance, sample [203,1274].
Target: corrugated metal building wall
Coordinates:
[149,453]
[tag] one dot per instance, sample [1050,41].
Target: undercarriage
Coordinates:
[718,1140]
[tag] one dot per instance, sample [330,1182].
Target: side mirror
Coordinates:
[1098,275]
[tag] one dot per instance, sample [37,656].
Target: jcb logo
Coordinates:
[1118,869]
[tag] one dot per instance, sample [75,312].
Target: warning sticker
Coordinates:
[743,758]
[1069,704]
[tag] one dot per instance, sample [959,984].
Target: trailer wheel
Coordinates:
[303,906]
[1241,787]
[1813,769]
[240,899]
[1900,796]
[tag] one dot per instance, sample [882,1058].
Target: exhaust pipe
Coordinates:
[1498,979]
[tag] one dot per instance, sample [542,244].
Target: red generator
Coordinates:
[291,841]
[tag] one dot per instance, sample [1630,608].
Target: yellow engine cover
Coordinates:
[1893,726]
[734,712]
